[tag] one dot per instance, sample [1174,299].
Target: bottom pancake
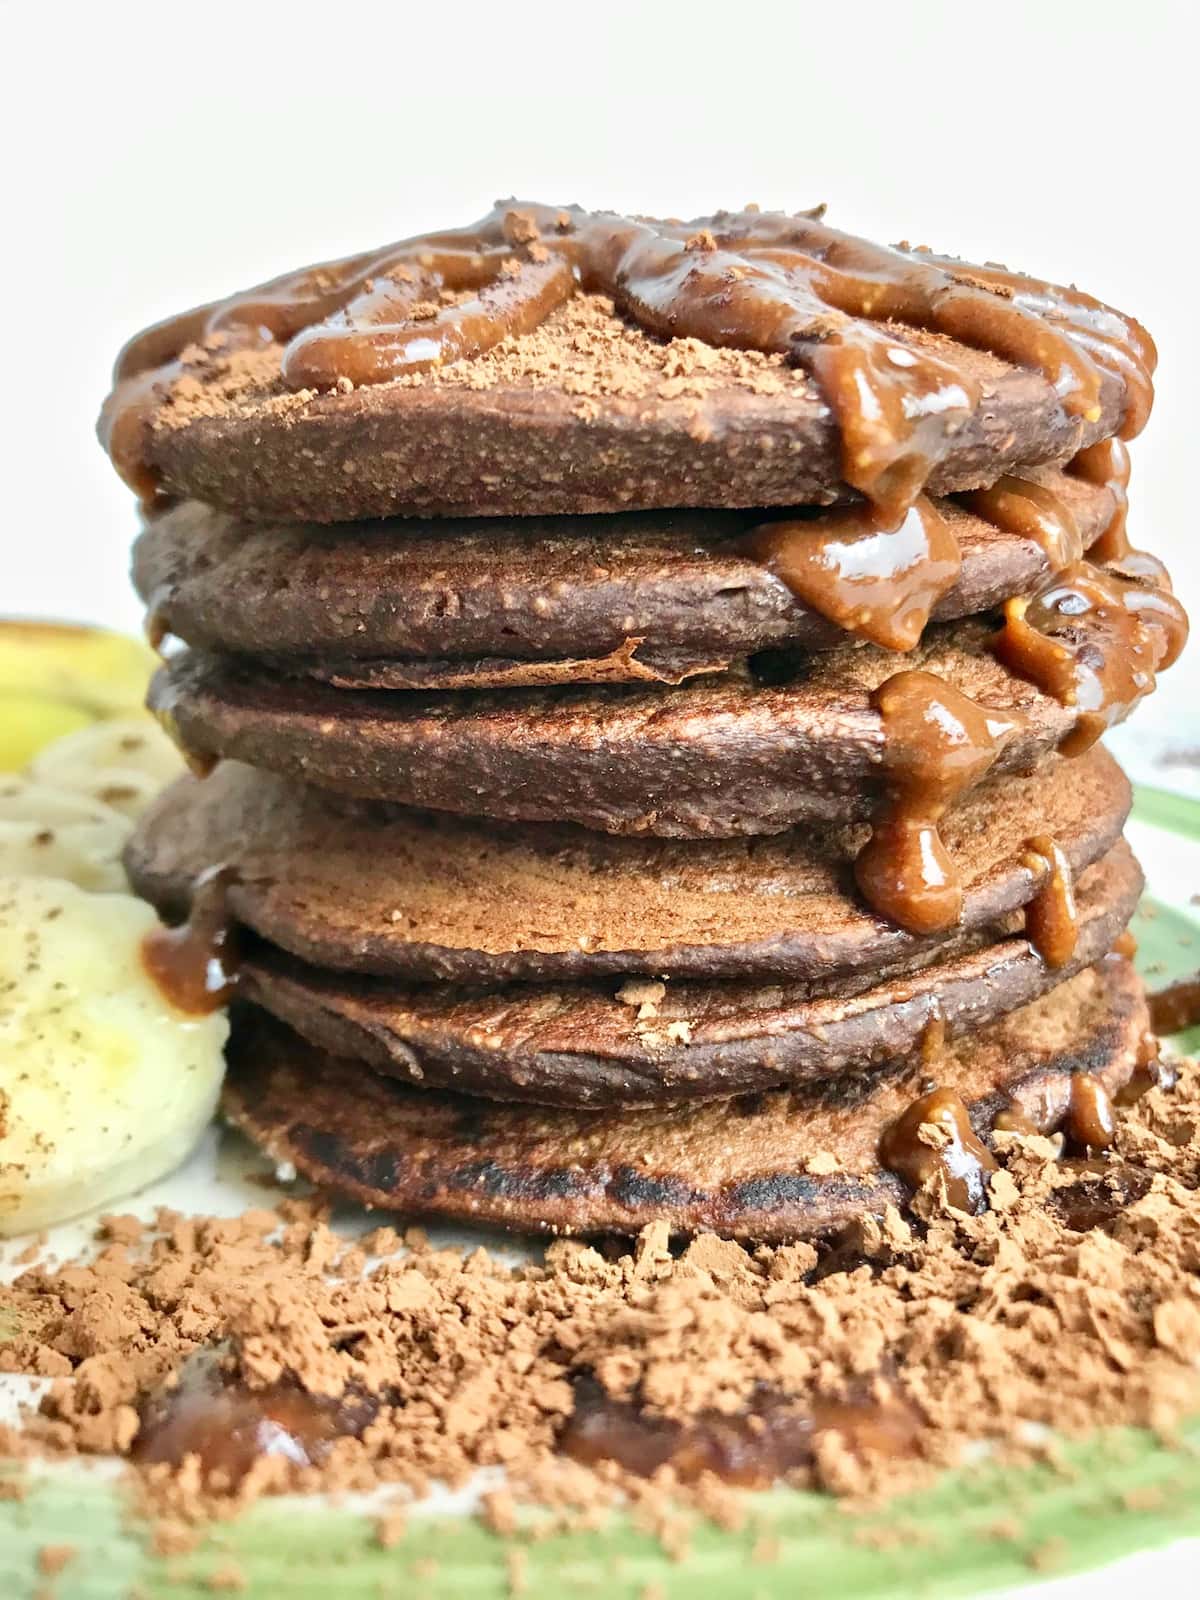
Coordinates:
[786,1164]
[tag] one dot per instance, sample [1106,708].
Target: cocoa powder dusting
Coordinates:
[1071,1301]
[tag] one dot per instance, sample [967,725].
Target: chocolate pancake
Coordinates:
[361,886]
[725,755]
[474,603]
[589,414]
[598,1044]
[789,1164]
[550,360]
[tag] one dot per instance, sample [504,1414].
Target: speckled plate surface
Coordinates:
[945,1542]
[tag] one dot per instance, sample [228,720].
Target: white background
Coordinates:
[160,154]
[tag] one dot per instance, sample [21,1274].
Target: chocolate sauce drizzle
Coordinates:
[835,305]
[838,307]
[1031,511]
[1090,1122]
[1094,640]
[1092,637]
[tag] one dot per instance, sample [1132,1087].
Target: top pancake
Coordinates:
[589,413]
[411,604]
[586,415]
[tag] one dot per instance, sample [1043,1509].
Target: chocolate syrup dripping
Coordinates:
[1014,1118]
[933,1038]
[786,285]
[937,743]
[1051,917]
[1032,511]
[200,763]
[1151,1071]
[1106,464]
[195,965]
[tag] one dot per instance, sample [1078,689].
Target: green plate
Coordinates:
[978,1530]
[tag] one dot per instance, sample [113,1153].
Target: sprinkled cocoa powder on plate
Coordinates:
[860,1371]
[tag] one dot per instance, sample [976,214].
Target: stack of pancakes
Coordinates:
[643,682]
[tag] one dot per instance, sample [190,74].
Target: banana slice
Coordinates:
[104,1086]
[56,676]
[123,763]
[49,832]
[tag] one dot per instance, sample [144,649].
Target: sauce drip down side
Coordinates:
[1093,640]
[1090,1122]
[1051,917]
[877,581]
[1031,511]
[829,302]
[931,1140]
[1106,463]
[936,744]
[195,965]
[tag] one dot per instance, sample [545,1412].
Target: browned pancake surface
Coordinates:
[587,414]
[721,756]
[591,1044]
[749,1167]
[407,604]
[363,886]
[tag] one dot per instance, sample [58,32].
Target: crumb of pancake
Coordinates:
[647,994]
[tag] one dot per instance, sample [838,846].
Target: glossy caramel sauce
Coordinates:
[933,1138]
[1090,1122]
[1015,1119]
[751,1448]
[1032,511]
[1051,917]
[833,304]
[156,630]
[1094,640]
[936,745]
[200,763]
[876,580]
[227,1426]
[1106,463]
[1177,1006]
[1152,1071]
[1098,1193]
[195,965]
[933,1038]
